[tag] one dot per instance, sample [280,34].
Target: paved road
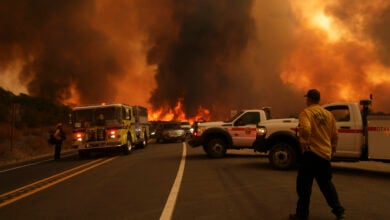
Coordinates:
[144,185]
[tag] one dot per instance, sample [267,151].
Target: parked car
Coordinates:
[170,132]
[187,127]
[153,127]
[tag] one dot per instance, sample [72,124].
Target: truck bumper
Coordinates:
[99,145]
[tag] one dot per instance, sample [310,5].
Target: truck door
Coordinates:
[349,130]
[243,131]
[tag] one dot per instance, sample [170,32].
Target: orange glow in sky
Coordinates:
[149,53]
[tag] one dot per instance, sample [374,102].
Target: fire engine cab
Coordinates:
[109,126]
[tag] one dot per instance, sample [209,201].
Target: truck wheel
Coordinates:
[216,148]
[282,156]
[144,143]
[128,148]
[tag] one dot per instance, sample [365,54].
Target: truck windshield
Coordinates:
[235,116]
[110,116]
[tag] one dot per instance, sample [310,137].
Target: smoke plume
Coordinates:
[59,49]
[225,56]
[219,55]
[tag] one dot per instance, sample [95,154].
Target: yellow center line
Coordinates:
[68,174]
[51,177]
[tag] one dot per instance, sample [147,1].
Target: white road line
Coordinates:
[30,164]
[27,165]
[171,201]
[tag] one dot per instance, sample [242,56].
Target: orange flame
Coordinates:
[202,115]
[177,113]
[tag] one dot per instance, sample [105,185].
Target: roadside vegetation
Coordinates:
[25,124]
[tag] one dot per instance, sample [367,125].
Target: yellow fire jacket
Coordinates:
[317,131]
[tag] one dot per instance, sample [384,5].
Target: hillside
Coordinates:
[25,122]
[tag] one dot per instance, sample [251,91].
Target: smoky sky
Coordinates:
[371,19]
[222,59]
[221,55]
[59,48]
[368,21]
[197,65]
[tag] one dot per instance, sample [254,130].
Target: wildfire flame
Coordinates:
[215,55]
[177,114]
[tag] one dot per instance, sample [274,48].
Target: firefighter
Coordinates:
[318,139]
[59,136]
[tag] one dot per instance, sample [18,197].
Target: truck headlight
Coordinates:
[261,131]
[113,134]
[79,136]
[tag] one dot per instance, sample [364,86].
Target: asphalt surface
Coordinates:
[137,186]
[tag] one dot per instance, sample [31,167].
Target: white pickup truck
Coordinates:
[239,132]
[361,136]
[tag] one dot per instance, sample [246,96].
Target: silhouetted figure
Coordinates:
[59,136]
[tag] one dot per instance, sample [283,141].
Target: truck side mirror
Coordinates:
[365,102]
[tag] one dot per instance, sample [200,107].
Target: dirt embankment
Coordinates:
[22,144]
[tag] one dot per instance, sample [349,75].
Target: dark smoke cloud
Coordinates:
[207,65]
[59,48]
[219,54]
[196,66]
[381,34]
[213,54]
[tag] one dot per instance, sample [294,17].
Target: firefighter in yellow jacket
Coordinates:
[59,136]
[318,140]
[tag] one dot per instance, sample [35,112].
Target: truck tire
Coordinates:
[144,142]
[128,147]
[216,148]
[282,156]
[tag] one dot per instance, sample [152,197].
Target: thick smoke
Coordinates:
[59,48]
[220,59]
[221,55]
[348,57]
[366,20]
[198,64]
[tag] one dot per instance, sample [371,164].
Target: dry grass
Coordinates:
[27,143]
